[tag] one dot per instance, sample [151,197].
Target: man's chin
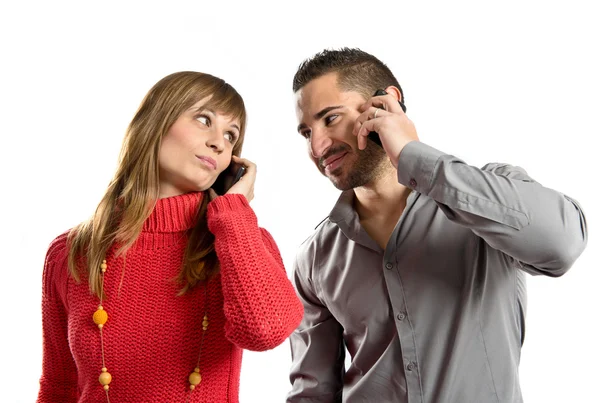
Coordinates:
[341,183]
[335,177]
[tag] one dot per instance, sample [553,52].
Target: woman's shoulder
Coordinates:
[58,249]
[56,265]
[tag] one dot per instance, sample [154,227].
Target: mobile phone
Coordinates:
[229,177]
[373,135]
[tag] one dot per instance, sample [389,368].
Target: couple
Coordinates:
[418,272]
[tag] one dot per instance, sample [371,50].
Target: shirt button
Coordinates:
[389,266]
[401,316]
[411,366]
[412,183]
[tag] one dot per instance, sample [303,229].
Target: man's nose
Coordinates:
[319,143]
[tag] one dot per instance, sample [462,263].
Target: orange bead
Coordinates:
[105,378]
[195,378]
[100,316]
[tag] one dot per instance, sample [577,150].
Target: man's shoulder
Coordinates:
[310,246]
[324,227]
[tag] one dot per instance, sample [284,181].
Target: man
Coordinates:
[419,270]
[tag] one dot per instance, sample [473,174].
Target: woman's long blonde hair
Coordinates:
[134,189]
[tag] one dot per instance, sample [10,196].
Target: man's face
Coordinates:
[326,117]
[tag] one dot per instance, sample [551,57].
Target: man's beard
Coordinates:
[369,166]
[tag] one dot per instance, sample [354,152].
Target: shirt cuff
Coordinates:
[416,166]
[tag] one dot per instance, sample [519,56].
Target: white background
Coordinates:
[512,82]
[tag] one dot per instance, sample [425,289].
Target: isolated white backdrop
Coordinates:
[512,82]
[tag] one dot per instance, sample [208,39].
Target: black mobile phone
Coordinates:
[373,135]
[228,178]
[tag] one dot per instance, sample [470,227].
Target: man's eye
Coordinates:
[305,134]
[330,119]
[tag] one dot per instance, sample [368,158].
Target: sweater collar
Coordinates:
[174,214]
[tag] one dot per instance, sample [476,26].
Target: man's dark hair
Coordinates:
[357,71]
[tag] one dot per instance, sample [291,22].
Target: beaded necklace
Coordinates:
[100,318]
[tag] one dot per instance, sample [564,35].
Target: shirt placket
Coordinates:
[404,328]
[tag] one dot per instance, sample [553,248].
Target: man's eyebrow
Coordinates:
[325,111]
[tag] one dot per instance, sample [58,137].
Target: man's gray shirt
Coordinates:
[438,316]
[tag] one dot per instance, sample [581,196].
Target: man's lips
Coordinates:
[333,161]
[209,162]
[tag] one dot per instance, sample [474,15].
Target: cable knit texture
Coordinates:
[152,337]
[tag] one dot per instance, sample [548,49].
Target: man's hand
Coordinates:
[383,114]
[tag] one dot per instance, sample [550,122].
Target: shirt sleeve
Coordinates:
[58,382]
[318,350]
[542,229]
[260,304]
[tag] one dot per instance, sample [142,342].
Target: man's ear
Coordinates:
[395,91]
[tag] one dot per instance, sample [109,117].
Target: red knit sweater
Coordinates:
[152,337]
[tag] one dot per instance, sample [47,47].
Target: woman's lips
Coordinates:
[209,162]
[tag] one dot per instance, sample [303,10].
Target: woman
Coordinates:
[154,298]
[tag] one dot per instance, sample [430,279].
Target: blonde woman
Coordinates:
[154,298]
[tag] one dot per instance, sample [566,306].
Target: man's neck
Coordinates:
[382,197]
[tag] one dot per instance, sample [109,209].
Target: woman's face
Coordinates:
[195,150]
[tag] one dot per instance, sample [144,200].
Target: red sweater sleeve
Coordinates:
[59,373]
[261,306]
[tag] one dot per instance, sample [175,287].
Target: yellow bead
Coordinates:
[195,378]
[103,266]
[104,369]
[197,370]
[100,326]
[100,316]
[192,387]
[105,387]
[105,378]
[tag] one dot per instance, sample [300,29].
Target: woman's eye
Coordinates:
[230,137]
[203,119]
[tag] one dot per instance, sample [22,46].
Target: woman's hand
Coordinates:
[245,185]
